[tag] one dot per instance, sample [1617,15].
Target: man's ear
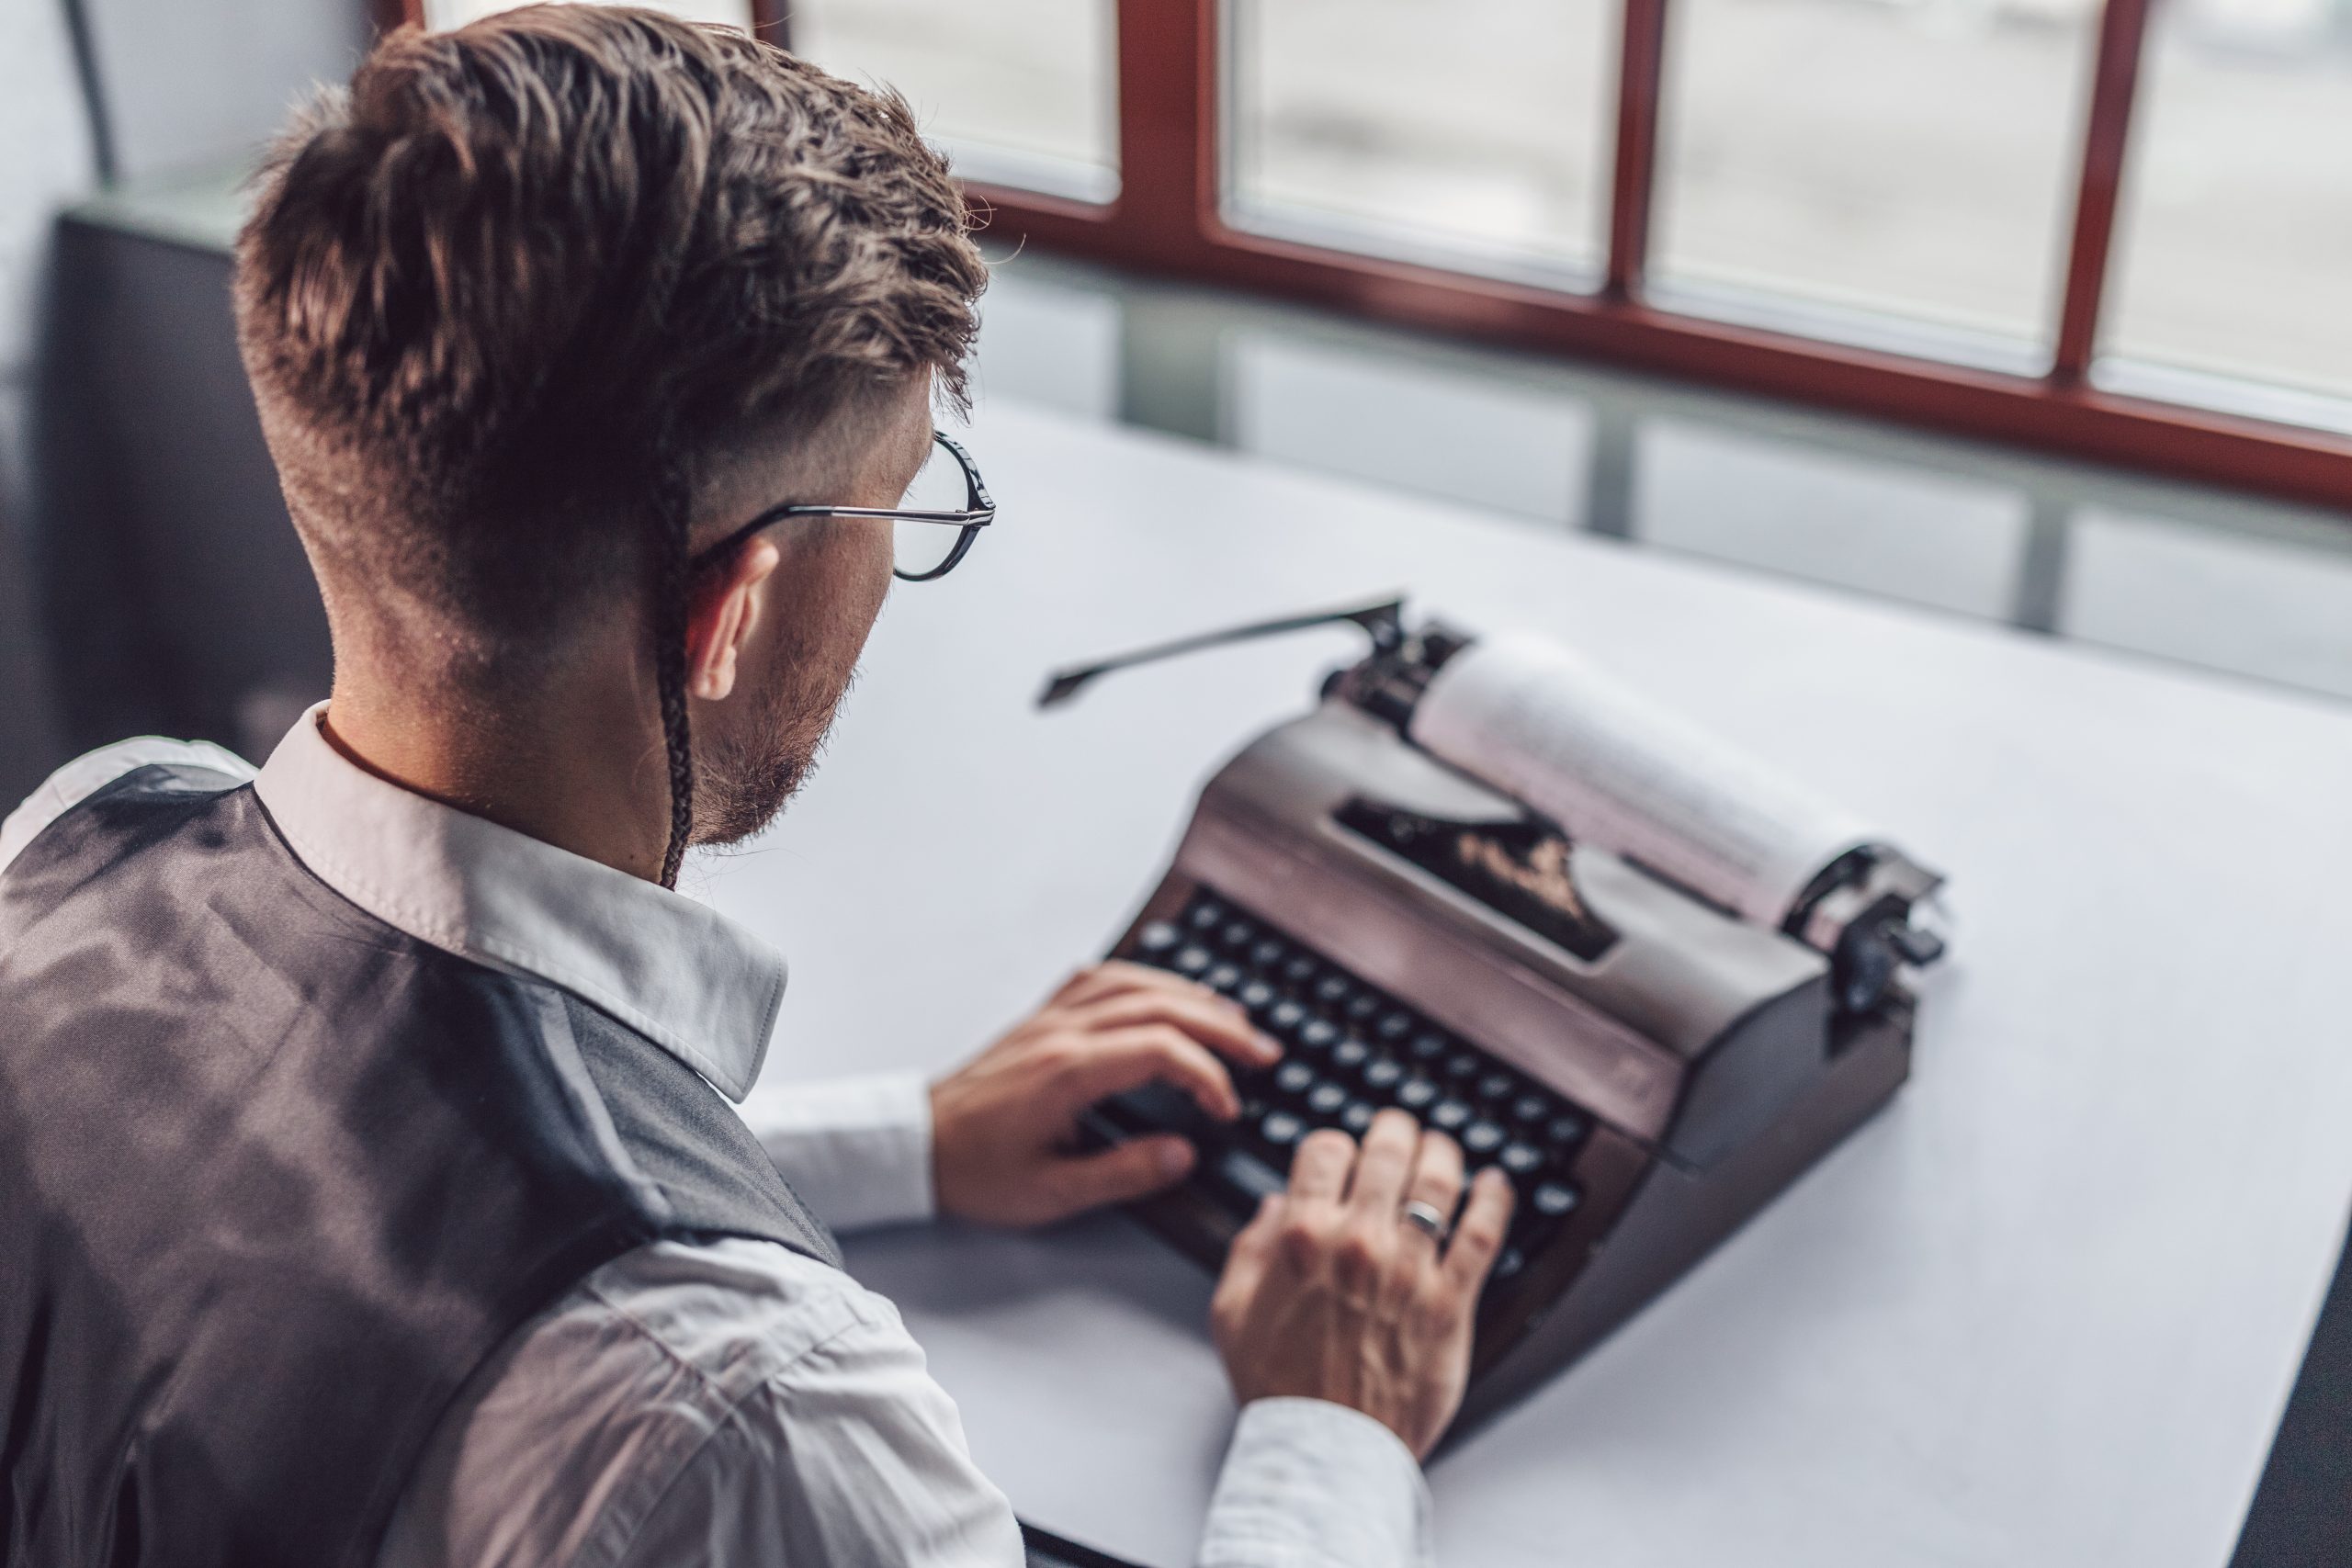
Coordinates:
[726,607]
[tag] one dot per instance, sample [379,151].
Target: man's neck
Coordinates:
[577,773]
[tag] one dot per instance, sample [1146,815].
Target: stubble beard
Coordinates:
[743,784]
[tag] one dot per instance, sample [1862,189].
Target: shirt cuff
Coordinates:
[1312,1484]
[856,1150]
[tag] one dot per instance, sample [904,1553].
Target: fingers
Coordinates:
[1219,1024]
[1245,1263]
[1116,1060]
[1116,977]
[1436,1181]
[1120,1174]
[1478,1234]
[1318,1172]
[1378,1189]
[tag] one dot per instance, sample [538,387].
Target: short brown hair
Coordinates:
[498,295]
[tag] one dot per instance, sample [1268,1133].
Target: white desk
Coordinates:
[2045,1310]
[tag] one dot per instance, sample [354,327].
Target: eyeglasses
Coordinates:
[920,548]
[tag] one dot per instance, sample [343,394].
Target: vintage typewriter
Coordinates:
[1647,977]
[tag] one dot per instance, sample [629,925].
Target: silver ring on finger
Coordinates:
[1426,1218]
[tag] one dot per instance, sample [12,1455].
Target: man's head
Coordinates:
[536,305]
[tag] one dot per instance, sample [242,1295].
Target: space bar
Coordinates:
[1251,1174]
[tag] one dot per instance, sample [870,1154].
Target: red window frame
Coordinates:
[1167,220]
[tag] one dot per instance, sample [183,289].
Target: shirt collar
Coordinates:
[697,985]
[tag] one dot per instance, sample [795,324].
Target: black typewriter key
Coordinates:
[1299,970]
[1332,989]
[1383,1075]
[1357,1118]
[1363,1007]
[1349,1054]
[1252,1107]
[1206,914]
[1481,1138]
[1193,960]
[1520,1159]
[1293,1077]
[1267,952]
[1429,1047]
[1565,1129]
[1553,1199]
[1158,938]
[1282,1129]
[1286,1016]
[1497,1087]
[1464,1065]
[1508,1262]
[1414,1094]
[1448,1115]
[1224,977]
[1394,1026]
[1255,995]
[1531,1107]
[1325,1099]
[1237,933]
[1318,1034]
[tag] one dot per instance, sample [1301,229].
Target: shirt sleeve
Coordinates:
[1309,1483]
[856,1150]
[93,770]
[852,1455]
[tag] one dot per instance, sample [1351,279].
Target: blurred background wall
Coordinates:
[92,93]
[44,159]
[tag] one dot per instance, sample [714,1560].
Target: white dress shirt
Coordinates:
[729,1403]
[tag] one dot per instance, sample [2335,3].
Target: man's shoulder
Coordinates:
[93,770]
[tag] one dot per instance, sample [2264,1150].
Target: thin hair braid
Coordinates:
[671,583]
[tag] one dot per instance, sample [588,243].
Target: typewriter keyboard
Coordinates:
[1349,1050]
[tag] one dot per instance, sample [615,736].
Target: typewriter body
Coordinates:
[1648,1066]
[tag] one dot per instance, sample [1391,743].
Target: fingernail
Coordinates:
[1175,1159]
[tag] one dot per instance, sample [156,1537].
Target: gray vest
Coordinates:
[276,1177]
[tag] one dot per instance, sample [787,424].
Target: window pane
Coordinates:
[1412,426]
[2271,609]
[2234,249]
[1915,162]
[1476,132]
[1828,516]
[1019,91]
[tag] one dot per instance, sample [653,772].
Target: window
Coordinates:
[2155,586]
[1906,208]
[1930,538]
[1021,92]
[1908,166]
[1476,132]
[2236,261]
[1521,450]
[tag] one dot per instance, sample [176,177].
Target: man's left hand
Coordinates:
[1004,1125]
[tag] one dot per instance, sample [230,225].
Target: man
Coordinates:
[366,1183]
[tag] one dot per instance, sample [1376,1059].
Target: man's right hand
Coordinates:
[1329,1293]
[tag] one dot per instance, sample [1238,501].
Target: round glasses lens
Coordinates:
[924,548]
